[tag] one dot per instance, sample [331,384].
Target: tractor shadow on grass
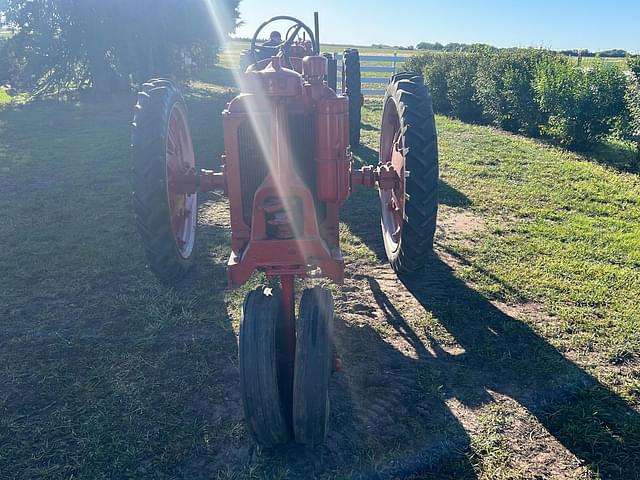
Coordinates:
[452,197]
[364,155]
[503,354]
[140,380]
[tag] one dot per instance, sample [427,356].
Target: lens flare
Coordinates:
[267,120]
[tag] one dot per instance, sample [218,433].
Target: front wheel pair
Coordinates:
[273,412]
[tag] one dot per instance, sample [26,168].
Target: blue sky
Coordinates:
[596,25]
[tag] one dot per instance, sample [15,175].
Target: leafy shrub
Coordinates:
[632,99]
[534,92]
[634,67]
[434,67]
[450,77]
[461,90]
[505,89]
[583,105]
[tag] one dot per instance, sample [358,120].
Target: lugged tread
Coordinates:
[150,204]
[353,90]
[413,102]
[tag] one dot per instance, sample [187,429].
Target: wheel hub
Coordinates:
[180,161]
[392,196]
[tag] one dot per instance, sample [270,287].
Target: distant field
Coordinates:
[230,54]
[239,45]
[622,62]
[4,96]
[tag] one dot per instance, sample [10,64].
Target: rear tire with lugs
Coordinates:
[352,82]
[408,140]
[161,147]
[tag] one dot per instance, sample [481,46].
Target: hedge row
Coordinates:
[632,99]
[534,92]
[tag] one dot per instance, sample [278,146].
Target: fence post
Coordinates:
[395,54]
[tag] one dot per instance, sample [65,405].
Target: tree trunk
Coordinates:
[100,74]
[93,18]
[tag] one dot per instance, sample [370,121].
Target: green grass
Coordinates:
[107,374]
[563,231]
[4,96]
[114,400]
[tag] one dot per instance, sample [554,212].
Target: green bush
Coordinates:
[434,67]
[583,105]
[634,66]
[505,90]
[450,77]
[534,92]
[632,98]
[461,87]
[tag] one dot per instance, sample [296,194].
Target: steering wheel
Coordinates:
[258,51]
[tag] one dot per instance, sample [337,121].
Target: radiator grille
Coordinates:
[254,167]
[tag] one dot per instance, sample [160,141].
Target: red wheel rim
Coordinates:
[392,154]
[181,159]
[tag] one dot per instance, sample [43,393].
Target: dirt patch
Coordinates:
[458,224]
[509,439]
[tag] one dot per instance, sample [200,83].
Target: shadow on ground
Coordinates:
[619,155]
[452,197]
[104,372]
[502,354]
[366,155]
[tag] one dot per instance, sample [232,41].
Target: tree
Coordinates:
[72,44]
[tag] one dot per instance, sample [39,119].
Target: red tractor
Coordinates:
[287,170]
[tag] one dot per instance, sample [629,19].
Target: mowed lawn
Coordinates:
[530,308]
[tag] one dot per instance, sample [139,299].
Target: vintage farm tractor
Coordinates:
[287,169]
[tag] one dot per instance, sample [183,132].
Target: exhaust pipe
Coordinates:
[316,22]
